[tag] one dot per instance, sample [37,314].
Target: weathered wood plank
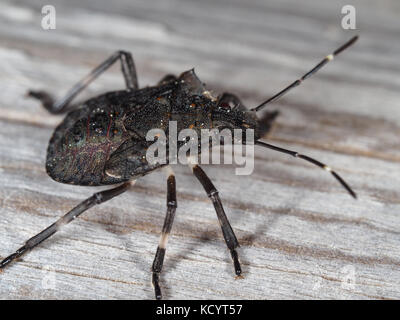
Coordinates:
[300,233]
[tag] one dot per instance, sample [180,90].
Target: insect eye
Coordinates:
[225,106]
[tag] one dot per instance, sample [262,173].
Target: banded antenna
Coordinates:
[307,75]
[311,160]
[287,89]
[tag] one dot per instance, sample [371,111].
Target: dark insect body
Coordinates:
[102,141]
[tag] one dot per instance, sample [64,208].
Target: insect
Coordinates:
[102,142]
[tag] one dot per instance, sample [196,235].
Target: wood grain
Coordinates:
[301,235]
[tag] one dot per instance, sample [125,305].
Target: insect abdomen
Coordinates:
[83,142]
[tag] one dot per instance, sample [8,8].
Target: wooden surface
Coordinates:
[301,234]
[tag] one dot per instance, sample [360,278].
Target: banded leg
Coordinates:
[227,231]
[169,219]
[60,106]
[96,198]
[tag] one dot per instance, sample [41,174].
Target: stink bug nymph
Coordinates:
[102,142]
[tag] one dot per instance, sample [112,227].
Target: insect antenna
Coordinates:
[308,74]
[311,160]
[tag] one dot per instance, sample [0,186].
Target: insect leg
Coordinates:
[61,105]
[227,231]
[169,219]
[96,198]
